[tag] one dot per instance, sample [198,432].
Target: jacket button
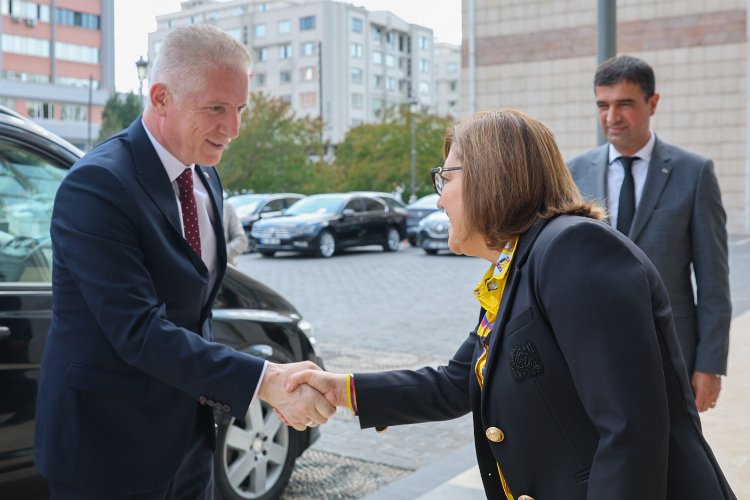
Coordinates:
[496,436]
[211,402]
[226,409]
[202,400]
[525,497]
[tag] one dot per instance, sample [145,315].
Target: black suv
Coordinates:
[248,316]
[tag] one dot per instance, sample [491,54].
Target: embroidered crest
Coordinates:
[525,362]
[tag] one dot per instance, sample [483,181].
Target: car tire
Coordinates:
[392,240]
[266,253]
[254,456]
[326,245]
[430,251]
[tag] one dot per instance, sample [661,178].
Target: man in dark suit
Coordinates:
[667,201]
[130,375]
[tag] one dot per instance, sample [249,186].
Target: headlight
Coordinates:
[307,329]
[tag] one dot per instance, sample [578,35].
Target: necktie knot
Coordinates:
[627,162]
[189,210]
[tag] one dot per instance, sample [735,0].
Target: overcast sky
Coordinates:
[135,19]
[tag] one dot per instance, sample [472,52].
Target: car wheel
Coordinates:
[266,253]
[255,455]
[430,251]
[326,245]
[392,240]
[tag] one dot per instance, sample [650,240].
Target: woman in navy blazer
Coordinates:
[574,374]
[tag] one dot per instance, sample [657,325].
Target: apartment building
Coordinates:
[447,79]
[330,59]
[57,63]
[540,56]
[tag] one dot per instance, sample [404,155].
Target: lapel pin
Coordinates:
[207,176]
[664,171]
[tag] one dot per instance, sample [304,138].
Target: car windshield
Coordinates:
[316,205]
[429,201]
[247,202]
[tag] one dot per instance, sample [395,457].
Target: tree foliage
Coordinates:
[119,112]
[275,151]
[377,156]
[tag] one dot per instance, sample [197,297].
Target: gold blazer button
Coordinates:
[496,436]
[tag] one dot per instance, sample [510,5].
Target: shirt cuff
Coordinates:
[260,381]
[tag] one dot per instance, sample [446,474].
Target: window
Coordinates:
[358,101]
[377,57]
[284,27]
[287,98]
[8,102]
[307,23]
[424,88]
[357,76]
[75,18]
[390,40]
[259,79]
[424,43]
[309,73]
[285,76]
[357,25]
[40,109]
[260,30]
[390,60]
[73,112]
[424,66]
[390,84]
[308,100]
[451,68]
[373,205]
[25,45]
[377,108]
[308,48]
[377,81]
[285,51]
[356,50]
[453,85]
[261,54]
[377,36]
[77,53]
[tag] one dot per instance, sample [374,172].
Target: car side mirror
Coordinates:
[348,212]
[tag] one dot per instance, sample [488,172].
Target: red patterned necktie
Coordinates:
[189,210]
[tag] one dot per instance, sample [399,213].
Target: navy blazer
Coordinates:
[584,379]
[129,350]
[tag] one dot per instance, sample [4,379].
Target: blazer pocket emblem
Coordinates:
[525,362]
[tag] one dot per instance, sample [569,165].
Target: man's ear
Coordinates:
[160,98]
[652,102]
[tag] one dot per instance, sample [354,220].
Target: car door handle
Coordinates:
[4,332]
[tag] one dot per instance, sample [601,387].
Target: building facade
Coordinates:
[540,56]
[330,59]
[447,79]
[57,63]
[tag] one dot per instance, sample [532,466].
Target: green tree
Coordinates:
[275,151]
[377,156]
[119,112]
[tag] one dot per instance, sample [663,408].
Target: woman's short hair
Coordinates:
[513,175]
[190,53]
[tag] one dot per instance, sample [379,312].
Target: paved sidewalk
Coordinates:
[727,429]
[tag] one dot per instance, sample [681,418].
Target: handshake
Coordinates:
[302,394]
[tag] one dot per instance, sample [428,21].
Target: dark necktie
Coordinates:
[189,210]
[626,209]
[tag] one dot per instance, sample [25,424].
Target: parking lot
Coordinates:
[372,311]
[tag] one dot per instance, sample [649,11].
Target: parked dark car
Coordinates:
[416,211]
[255,206]
[248,316]
[322,224]
[433,232]
[393,203]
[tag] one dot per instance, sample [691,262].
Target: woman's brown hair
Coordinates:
[513,175]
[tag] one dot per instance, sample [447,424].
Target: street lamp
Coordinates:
[413,108]
[142,66]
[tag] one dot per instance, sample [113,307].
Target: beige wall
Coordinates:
[540,56]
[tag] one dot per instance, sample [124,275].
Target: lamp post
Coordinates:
[413,108]
[142,66]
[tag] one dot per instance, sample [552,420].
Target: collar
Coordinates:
[489,290]
[644,153]
[172,165]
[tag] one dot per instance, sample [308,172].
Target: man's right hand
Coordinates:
[301,408]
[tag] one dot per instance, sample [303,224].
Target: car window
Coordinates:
[373,205]
[315,205]
[355,205]
[288,202]
[394,203]
[274,205]
[28,183]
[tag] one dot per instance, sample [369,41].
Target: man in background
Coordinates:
[666,200]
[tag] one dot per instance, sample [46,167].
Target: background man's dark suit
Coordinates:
[679,222]
[130,295]
[561,383]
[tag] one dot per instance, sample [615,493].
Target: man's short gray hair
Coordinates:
[190,53]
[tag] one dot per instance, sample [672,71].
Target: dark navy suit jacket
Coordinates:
[129,352]
[584,378]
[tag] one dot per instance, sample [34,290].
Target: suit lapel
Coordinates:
[525,243]
[659,171]
[210,179]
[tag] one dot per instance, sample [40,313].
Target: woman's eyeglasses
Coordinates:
[438,181]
